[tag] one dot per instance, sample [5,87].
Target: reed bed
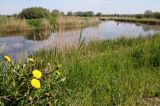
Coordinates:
[12,24]
[73,22]
[52,23]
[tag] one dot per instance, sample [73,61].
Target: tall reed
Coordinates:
[72,22]
[12,24]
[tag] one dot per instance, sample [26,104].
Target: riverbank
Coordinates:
[134,20]
[12,24]
[109,72]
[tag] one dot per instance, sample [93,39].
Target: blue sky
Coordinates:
[105,6]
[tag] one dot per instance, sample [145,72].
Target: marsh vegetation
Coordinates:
[76,59]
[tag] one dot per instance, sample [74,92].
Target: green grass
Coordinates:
[111,72]
[34,22]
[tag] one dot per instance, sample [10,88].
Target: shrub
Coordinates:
[139,16]
[34,13]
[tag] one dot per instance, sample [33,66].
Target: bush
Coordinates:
[34,13]
[34,22]
[139,16]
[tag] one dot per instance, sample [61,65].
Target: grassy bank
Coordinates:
[118,72]
[52,23]
[134,20]
[110,72]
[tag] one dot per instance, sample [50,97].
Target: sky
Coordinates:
[8,7]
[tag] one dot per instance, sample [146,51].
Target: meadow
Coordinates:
[120,72]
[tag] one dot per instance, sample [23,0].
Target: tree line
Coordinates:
[39,12]
[149,14]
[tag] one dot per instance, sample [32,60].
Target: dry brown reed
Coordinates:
[73,22]
[13,24]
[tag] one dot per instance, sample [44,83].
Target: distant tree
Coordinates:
[99,14]
[70,13]
[156,15]
[62,13]
[139,16]
[55,12]
[148,14]
[34,13]
[116,15]
[91,13]
[79,13]
[88,14]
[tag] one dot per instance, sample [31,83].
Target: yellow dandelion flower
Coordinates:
[30,59]
[58,73]
[7,58]
[49,104]
[37,74]
[35,83]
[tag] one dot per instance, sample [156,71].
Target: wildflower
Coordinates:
[30,59]
[58,73]
[35,83]
[37,74]
[47,94]
[49,104]
[7,58]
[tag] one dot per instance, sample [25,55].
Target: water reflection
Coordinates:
[21,45]
[38,35]
[35,35]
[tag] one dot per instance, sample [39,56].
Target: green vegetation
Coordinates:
[149,17]
[150,14]
[149,21]
[34,83]
[34,13]
[34,22]
[109,72]
[59,22]
[112,72]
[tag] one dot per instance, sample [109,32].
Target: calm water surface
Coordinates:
[21,45]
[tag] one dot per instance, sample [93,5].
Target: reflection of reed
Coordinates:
[35,35]
[150,27]
[38,35]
